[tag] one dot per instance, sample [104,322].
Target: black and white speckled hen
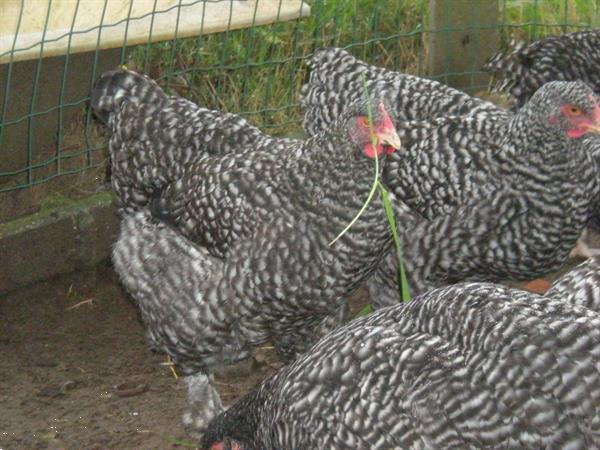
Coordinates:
[154,137]
[524,68]
[469,366]
[429,182]
[245,257]
[220,200]
[212,174]
[501,195]
[467,133]
[539,187]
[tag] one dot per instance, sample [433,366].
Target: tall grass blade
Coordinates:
[389,212]
[376,179]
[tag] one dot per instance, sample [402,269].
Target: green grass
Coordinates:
[538,18]
[259,71]
[389,212]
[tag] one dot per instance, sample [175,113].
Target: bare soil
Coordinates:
[77,373]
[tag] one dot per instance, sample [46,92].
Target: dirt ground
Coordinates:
[77,373]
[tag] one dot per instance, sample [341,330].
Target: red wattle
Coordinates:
[576,132]
[371,151]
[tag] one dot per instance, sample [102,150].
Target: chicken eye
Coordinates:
[364,122]
[574,111]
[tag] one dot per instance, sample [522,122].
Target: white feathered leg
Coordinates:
[204,403]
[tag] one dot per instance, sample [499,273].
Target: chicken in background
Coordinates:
[524,68]
[337,79]
[538,190]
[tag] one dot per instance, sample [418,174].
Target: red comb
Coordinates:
[386,120]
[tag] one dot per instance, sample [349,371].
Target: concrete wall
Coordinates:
[56,241]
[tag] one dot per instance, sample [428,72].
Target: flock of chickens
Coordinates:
[231,238]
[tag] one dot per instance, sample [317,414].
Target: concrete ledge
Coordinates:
[57,240]
[71,29]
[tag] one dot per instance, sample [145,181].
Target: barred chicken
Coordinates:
[154,137]
[494,195]
[429,182]
[469,366]
[220,200]
[524,217]
[242,251]
[524,68]
[337,79]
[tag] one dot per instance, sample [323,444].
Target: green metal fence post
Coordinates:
[462,35]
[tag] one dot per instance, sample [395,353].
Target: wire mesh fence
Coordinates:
[46,132]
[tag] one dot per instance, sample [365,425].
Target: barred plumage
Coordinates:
[220,200]
[537,191]
[469,366]
[524,68]
[501,195]
[241,253]
[337,79]
[580,286]
[154,137]
[593,143]
[464,130]
[174,284]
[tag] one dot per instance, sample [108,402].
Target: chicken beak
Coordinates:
[594,127]
[387,131]
[390,138]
